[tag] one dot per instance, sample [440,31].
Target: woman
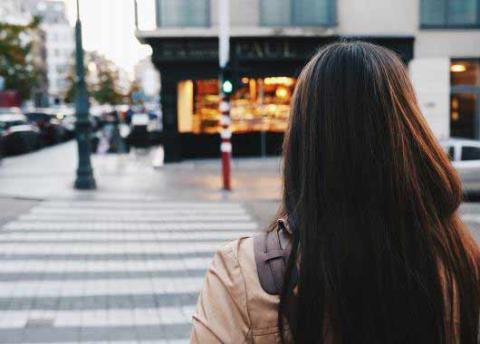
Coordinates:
[371,204]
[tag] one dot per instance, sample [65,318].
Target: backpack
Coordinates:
[272,250]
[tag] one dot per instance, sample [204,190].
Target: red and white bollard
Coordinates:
[226,145]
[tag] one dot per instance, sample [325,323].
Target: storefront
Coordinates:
[259,104]
[266,68]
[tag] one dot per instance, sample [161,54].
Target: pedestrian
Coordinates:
[369,225]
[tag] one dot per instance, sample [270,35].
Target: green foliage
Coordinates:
[70,93]
[17,63]
[106,90]
[101,78]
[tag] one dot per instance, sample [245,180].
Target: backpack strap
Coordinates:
[272,250]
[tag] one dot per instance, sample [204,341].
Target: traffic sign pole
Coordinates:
[224,54]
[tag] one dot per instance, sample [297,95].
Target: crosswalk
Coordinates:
[78,271]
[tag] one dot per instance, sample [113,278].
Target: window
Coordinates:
[183,13]
[450,150]
[450,13]
[465,98]
[470,153]
[298,12]
[259,104]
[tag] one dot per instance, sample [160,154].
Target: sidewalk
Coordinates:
[50,173]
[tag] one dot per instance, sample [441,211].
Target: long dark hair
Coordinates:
[372,198]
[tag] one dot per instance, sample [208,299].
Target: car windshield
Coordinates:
[470,153]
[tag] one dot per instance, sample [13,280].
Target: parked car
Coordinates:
[17,135]
[465,157]
[51,129]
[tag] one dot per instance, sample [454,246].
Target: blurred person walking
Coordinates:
[368,246]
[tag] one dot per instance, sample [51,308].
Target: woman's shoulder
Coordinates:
[232,306]
[235,262]
[239,256]
[237,250]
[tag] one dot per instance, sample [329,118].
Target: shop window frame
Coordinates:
[293,22]
[160,25]
[446,24]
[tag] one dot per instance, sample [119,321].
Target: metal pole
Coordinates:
[224,55]
[135,4]
[85,179]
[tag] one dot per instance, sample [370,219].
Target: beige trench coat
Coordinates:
[233,307]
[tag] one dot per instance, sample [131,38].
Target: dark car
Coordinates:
[17,136]
[51,130]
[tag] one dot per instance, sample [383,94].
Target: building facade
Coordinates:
[147,77]
[272,40]
[59,46]
[19,12]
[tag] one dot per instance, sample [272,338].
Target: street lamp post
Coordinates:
[85,179]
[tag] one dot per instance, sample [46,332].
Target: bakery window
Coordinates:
[259,104]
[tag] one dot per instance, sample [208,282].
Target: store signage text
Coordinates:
[264,49]
[207,50]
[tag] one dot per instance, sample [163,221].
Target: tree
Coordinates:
[16,58]
[102,80]
[106,90]
[70,93]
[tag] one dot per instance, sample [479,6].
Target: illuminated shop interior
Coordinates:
[465,98]
[259,104]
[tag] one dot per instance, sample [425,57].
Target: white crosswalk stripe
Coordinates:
[111,283]
[108,248]
[38,236]
[64,266]
[101,318]
[141,205]
[17,289]
[165,217]
[92,225]
[138,212]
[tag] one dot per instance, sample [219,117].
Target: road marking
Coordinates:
[91,225]
[100,318]
[19,289]
[141,205]
[137,212]
[105,266]
[106,248]
[118,236]
[168,217]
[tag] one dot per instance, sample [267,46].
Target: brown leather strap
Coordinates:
[272,250]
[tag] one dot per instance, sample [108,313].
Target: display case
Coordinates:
[259,104]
